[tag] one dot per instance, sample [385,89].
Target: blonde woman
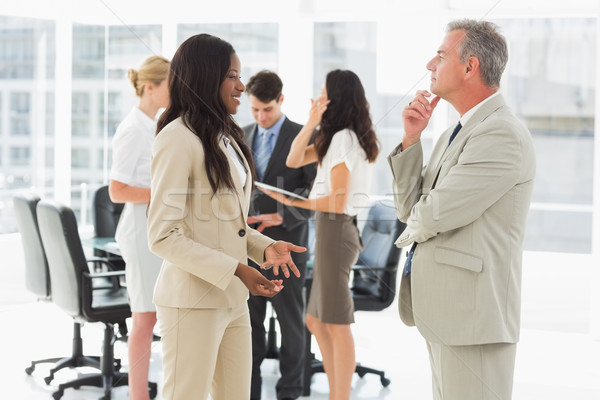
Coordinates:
[130,184]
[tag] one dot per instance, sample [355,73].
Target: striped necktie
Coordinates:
[262,153]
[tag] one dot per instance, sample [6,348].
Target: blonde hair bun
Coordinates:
[154,69]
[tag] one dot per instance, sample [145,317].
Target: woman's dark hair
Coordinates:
[348,108]
[198,68]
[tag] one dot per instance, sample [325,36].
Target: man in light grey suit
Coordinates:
[465,214]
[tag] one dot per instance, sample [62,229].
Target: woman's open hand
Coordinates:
[278,255]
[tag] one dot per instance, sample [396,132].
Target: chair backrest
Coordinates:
[37,277]
[105,213]
[66,259]
[374,282]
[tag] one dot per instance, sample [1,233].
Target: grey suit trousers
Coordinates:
[475,372]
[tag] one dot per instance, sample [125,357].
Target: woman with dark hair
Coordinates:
[201,186]
[344,147]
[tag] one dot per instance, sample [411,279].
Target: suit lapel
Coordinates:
[278,152]
[436,160]
[442,151]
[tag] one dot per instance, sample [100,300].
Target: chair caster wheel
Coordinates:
[29,370]
[385,381]
[48,379]
[57,395]
[361,374]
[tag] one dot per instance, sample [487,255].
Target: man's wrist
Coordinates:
[406,143]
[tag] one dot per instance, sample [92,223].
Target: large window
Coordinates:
[20,113]
[353,46]
[27,64]
[550,84]
[102,96]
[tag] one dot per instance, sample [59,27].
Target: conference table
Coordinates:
[106,244]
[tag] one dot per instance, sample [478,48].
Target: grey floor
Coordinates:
[556,359]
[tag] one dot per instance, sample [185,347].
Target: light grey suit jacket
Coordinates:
[200,234]
[465,284]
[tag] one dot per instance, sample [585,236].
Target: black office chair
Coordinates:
[74,293]
[105,216]
[37,281]
[374,275]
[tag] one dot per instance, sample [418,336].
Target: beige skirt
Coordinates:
[337,245]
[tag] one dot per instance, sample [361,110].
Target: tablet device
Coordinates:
[278,190]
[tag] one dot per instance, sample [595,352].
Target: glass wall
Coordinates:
[353,46]
[102,95]
[27,62]
[549,82]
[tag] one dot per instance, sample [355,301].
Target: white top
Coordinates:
[237,161]
[132,149]
[345,148]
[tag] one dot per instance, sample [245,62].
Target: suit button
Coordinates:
[242,232]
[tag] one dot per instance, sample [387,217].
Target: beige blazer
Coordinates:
[201,235]
[465,285]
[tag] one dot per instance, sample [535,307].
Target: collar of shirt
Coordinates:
[236,157]
[466,116]
[225,139]
[275,129]
[145,120]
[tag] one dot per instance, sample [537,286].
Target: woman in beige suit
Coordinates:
[201,186]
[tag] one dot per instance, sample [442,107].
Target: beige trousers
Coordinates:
[206,351]
[477,372]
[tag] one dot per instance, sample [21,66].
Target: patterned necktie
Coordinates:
[411,252]
[262,153]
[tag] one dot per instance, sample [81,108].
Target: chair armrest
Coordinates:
[107,274]
[92,297]
[113,277]
[103,260]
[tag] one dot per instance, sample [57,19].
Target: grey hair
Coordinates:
[484,41]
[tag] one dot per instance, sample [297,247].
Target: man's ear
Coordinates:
[280,99]
[472,65]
